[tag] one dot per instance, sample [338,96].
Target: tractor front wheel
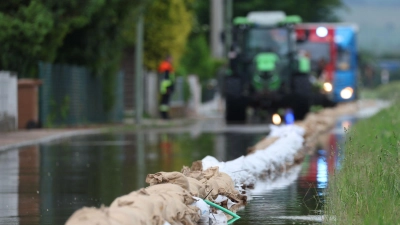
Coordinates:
[235,102]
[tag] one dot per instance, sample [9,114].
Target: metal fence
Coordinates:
[71,95]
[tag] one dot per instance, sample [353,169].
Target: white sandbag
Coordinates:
[283,130]
[204,210]
[218,218]
[220,199]
[245,170]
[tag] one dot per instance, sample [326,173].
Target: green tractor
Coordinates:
[266,72]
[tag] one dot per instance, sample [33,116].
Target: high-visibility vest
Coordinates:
[165,84]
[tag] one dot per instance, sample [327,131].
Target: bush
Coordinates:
[197,59]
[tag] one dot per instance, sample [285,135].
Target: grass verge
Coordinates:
[366,189]
[388,92]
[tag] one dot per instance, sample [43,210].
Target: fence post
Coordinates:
[139,70]
[3,99]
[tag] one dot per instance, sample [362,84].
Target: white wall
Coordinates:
[151,93]
[8,101]
[195,92]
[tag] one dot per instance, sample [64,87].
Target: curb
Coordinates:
[50,138]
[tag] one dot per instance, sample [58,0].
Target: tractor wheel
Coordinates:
[235,110]
[301,107]
[302,85]
[302,90]
[236,104]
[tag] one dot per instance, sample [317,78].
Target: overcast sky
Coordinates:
[378,21]
[373,2]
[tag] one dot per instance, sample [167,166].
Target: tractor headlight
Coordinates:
[276,119]
[346,93]
[328,87]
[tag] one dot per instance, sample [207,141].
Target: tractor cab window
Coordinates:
[267,39]
[343,61]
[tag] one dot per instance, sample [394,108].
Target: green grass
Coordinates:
[366,189]
[388,92]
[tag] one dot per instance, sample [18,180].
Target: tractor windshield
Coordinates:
[267,39]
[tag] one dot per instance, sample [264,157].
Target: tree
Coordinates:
[33,30]
[197,58]
[22,36]
[202,17]
[309,10]
[167,27]
[99,43]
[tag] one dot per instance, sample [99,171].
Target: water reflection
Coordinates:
[297,196]
[45,184]
[19,182]
[294,198]
[9,184]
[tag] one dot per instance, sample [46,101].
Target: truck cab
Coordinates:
[333,52]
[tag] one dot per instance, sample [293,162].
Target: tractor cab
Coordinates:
[267,72]
[263,49]
[333,52]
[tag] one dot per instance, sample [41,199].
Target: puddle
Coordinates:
[45,184]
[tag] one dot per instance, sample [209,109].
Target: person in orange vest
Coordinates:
[166,71]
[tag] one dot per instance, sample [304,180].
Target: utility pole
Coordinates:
[139,70]
[217,27]
[228,26]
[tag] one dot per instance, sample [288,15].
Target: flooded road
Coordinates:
[45,184]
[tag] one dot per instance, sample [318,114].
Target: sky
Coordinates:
[379,24]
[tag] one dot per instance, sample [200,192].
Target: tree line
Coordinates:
[94,33]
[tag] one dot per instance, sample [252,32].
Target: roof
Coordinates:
[328,25]
[266,17]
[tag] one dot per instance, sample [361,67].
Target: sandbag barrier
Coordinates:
[171,198]
[178,197]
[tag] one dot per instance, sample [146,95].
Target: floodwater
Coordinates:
[45,184]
